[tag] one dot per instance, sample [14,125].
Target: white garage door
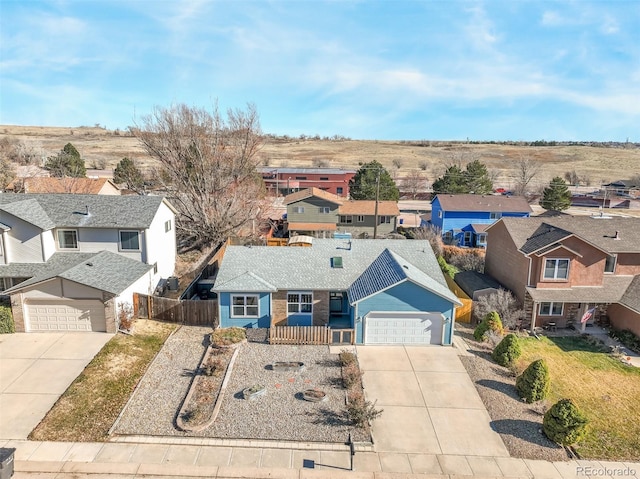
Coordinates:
[66,315]
[403,328]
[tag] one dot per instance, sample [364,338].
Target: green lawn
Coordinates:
[606,390]
[89,407]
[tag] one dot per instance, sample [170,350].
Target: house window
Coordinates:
[155,268]
[67,239]
[360,218]
[298,209]
[167,226]
[467,237]
[440,214]
[556,268]
[346,219]
[448,237]
[385,219]
[324,178]
[245,306]
[325,210]
[301,177]
[339,190]
[610,264]
[5,283]
[299,303]
[482,238]
[551,309]
[129,241]
[495,215]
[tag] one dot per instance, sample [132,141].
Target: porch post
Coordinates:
[534,316]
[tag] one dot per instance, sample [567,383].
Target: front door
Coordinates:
[335,302]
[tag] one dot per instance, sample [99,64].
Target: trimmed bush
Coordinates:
[6,320]
[564,424]
[507,351]
[533,384]
[491,322]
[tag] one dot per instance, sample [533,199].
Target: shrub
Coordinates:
[228,336]
[447,268]
[6,320]
[361,411]
[351,375]
[533,384]
[628,338]
[491,322]
[507,351]
[347,358]
[564,424]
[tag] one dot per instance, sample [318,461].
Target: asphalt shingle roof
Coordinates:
[472,281]
[294,268]
[49,211]
[105,270]
[488,203]
[631,297]
[612,290]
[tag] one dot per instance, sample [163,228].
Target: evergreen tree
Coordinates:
[363,185]
[67,163]
[128,173]
[556,196]
[473,179]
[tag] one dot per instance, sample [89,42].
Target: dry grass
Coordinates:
[606,390]
[598,163]
[90,406]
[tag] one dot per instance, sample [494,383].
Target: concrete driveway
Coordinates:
[35,369]
[430,404]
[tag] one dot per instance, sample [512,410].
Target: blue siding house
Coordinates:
[388,291]
[463,219]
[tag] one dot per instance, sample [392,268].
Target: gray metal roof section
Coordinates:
[384,272]
[631,297]
[531,234]
[612,290]
[472,281]
[29,210]
[105,271]
[49,211]
[246,282]
[310,268]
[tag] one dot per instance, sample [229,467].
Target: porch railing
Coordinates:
[310,335]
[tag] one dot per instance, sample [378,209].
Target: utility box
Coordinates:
[6,462]
[204,289]
[173,283]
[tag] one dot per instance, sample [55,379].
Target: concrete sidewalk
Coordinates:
[187,458]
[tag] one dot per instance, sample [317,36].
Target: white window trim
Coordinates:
[60,244]
[482,238]
[325,210]
[167,226]
[127,250]
[551,304]
[615,264]
[385,219]
[555,270]
[495,215]
[299,302]
[348,219]
[298,209]
[439,213]
[360,218]
[244,306]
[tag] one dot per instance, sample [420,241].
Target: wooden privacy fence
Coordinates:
[310,335]
[189,312]
[463,313]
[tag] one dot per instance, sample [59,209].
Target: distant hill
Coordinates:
[597,162]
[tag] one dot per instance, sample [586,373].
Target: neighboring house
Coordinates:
[463,219]
[628,188]
[559,268]
[319,213]
[68,261]
[81,186]
[289,180]
[389,291]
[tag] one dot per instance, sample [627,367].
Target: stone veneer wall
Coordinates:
[17,312]
[320,308]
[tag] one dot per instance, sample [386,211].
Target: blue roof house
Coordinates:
[388,291]
[463,219]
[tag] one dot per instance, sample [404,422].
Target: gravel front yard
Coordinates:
[518,423]
[281,414]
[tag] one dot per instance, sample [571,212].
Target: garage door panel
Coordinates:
[414,328]
[70,315]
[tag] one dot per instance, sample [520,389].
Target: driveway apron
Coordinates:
[430,404]
[35,369]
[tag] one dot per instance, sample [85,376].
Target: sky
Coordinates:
[510,70]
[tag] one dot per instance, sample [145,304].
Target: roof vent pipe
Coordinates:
[86,207]
[617,236]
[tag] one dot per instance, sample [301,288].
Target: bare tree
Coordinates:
[7,172]
[208,165]
[526,170]
[502,302]
[414,183]
[432,235]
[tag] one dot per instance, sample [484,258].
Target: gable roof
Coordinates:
[368,207]
[484,203]
[250,268]
[90,186]
[309,192]
[49,211]
[534,233]
[105,271]
[631,297]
